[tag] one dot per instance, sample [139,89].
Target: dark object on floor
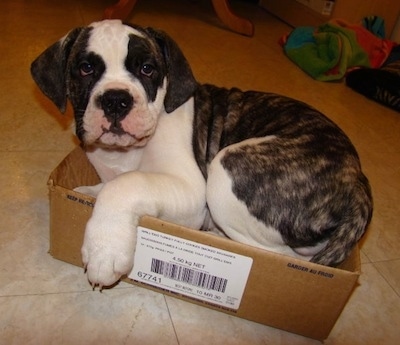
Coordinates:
[381,85]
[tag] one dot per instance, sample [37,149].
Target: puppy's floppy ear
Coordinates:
[49,69]
[181,82]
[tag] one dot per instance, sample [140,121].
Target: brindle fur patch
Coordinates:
[305,181]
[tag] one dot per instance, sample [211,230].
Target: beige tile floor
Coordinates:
[43,301]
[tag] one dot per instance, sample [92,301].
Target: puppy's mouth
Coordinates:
[115,128]
[116,137]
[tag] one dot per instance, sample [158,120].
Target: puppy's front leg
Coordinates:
[110,236]
[90,190]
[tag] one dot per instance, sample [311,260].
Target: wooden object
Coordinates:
[123,8]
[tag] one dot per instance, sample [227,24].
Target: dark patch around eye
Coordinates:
[146,64]
[88,65]
[80,86]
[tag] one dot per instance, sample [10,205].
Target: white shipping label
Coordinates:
[190,268]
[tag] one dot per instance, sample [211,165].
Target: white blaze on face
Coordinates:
[109,40]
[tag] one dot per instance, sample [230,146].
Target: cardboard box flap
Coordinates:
[352,263]
[75,170]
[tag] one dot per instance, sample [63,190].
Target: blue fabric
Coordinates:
[299,37]
[376,25]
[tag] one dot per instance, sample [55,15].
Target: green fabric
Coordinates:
[318,57]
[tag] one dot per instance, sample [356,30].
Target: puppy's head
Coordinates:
[118,78]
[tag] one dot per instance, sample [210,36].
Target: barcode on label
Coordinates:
[188,275]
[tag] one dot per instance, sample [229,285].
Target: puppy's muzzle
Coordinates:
[116,104]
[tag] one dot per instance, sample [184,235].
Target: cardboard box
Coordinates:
[296,12]
[317,12]
[324,7]
[280,291]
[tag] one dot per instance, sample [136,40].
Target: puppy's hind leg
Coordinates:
[232,214]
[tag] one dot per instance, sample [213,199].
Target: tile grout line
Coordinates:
[172,321]
[384,278]
[54,293]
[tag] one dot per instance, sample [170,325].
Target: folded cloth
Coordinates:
[328,52]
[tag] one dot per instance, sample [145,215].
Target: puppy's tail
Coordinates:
[354,224]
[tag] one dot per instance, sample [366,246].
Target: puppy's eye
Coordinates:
[85,69]
[147,70]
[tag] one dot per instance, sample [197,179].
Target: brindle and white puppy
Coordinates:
[273,172]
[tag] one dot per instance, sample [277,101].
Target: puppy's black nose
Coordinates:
[116,104]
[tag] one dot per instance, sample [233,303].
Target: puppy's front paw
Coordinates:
[108,249]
